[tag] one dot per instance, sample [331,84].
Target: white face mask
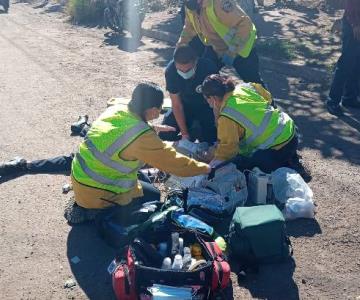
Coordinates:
[187,75]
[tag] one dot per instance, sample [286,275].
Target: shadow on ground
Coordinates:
[283,35]
[95,256]
[272,281]
[123,42]
[173,24]
[304,101]
[303,227]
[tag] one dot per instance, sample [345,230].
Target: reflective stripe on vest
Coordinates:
[270,124]
[124,139]
[121,183]
[235,44]
[98,163]
[256,130]
[271,139]
[120,143]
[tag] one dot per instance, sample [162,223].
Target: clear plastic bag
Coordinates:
[290,189]
[299,208]
[289,184]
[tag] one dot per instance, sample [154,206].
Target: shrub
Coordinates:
[86,11]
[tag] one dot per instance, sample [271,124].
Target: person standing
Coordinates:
[227,33]
[345,85]
[183,75]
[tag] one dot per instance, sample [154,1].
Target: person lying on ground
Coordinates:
[251,131]
[19,166]
[104,170]
[183,74]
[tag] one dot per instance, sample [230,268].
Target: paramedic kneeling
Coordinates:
[104,170]
[183,74]
[250,130]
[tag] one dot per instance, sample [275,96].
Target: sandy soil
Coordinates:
[50,72]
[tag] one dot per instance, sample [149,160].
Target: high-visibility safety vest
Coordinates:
[98,163]
[243,46]
[265,126]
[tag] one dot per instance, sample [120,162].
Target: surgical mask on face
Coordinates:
[188,74]
[192,4]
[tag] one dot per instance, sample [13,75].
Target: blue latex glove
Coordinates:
[227,60]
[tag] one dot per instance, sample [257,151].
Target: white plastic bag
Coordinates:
[290,189]
[287,183]
[298,208]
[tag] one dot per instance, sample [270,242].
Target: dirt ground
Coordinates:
[51,72]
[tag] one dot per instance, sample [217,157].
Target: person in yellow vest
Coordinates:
[251,132]
[227,33]
[104,170]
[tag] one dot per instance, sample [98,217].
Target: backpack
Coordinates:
[131,279]
[258,235]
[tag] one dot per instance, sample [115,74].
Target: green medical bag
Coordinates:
[258,235]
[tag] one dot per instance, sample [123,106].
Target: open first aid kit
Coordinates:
[176,254]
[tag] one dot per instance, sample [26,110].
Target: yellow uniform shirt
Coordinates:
[149,149]
[231,133]
[229,13]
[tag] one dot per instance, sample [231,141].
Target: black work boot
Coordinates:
[297,164]
[76,214]
[79,125]
[13,167]
[334,108]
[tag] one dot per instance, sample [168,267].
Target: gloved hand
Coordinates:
[227,60]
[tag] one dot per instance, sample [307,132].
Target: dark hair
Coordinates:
[145,96]
[184,55]
[217,85]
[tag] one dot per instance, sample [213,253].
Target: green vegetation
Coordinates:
[86,11]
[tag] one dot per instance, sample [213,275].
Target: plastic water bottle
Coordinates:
[178,262]
[187,258]
[166,263]
[181,246]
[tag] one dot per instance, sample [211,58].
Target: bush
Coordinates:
[86,11]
